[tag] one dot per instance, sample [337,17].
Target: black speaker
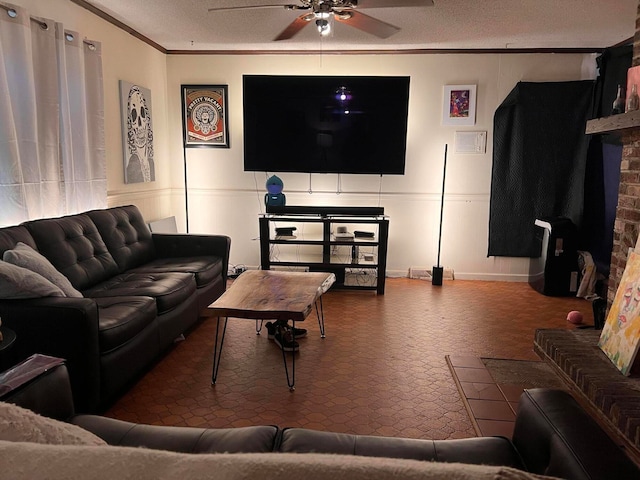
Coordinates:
[436,275]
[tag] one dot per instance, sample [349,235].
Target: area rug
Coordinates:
[525,373]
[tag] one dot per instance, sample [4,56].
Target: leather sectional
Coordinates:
[140,291]
[553,435]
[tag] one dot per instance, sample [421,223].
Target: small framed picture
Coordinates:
[204,116]
[459,105]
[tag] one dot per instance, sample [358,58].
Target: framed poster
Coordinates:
[137,133]
[459,105]
[204,116]
[620,337]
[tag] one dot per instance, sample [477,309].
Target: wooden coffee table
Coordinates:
[271,295]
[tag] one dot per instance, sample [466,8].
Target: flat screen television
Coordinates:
[325,124]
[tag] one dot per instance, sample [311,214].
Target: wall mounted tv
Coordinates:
[325,124]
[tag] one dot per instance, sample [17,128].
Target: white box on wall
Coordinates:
[470,142]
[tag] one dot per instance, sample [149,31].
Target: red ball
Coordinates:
[575,317]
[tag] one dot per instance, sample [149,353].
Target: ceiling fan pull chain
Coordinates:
[339,186]
[310,190]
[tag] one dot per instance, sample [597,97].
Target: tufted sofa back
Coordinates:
[10,236]
[75,247]
[87,248]
[125,234]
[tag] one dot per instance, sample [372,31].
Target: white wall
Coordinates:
[225,199]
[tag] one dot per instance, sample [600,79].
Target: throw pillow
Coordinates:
[18,424]
[18,282]
[25,256]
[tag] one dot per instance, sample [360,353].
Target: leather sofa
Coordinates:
[139,292]
[553,435]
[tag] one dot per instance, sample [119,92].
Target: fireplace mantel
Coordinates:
[614,123]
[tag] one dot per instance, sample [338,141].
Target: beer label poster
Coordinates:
[205,115]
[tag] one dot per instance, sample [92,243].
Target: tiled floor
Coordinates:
[381,369]
[492,406]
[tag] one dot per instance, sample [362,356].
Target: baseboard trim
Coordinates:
[487,277]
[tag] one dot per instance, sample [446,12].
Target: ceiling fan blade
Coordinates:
[253,7]
[293,28]
[369,24]
[394,3]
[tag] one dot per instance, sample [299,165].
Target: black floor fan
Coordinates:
[438,271]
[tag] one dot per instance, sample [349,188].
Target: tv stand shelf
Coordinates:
[369,271]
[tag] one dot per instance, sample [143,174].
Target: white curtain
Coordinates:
[52,157]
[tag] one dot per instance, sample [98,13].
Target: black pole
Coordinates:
[438,271]
[186,190]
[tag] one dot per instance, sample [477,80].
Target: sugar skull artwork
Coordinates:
[137,133]
[620,337]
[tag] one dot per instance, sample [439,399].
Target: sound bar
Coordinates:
[325,211]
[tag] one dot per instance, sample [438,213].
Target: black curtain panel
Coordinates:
[539,161]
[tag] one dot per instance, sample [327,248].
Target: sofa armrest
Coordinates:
[40,384]
[556,437]
[60,327]
[170,245]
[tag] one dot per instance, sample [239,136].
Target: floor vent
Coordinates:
[424,273]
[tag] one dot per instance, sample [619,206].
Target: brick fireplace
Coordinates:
[612,398]
[625,233]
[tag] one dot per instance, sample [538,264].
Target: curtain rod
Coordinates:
[13,13]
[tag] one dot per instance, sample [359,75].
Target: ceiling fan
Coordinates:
[345,11]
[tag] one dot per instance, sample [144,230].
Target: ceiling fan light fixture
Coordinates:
[323,26]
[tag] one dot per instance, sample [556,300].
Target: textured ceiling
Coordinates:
[448,24]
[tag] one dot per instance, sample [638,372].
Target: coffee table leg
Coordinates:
[259,326]
[218,352]
[320,315]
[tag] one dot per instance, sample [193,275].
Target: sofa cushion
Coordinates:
[125,234]
[18,424]
[27,461]
[168,289]
[483,450]
[25,256]
[122,318]
[74,246]
[252,439]
[19,282]
[206,269]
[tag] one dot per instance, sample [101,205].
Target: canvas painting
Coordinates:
[137,133]
[633,78]
[620,337]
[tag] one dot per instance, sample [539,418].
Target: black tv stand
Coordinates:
[315,246]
